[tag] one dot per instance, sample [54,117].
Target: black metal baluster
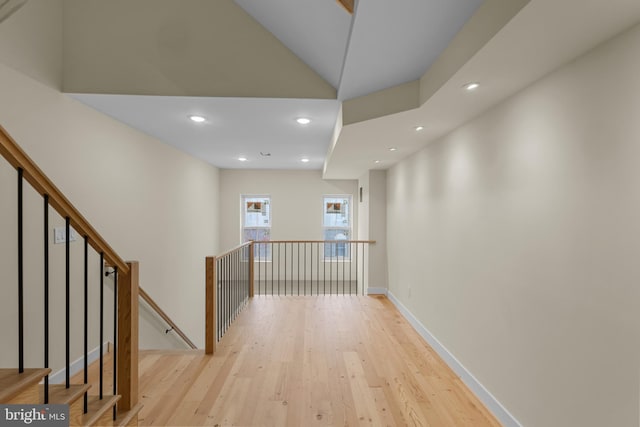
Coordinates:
[357,250]
[298,258]
[101,323]
[46,296]
[344,258]
[115,335]
[228,276]
[225,284]
[324,268]
[310,267]
[20,276]
[364,272]
[67,251]
[350,267]
[216,287]
[86,319]
[236,302]
[332,252]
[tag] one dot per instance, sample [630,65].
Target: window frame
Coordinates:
[244,227]
[348,228]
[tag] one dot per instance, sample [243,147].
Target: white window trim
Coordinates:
[243,227]
[349,228]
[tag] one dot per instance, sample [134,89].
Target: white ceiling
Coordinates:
[396,42]
[543,36]
[317,31]
[235,127]
[385,45]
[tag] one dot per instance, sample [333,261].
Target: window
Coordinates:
[336,224]
[256,224]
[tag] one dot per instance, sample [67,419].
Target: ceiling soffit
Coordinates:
[483,25]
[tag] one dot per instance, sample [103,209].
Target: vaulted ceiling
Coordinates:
[365,80]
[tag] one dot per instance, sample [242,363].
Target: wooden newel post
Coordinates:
[127,366]
[251,266]
[210,314]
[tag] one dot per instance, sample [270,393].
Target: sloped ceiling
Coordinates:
[386,69]
[163,59]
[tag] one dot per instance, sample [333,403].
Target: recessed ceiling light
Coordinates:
[472,86]
[376,162]
[419,128]
[242,159]
[304,160]
[393,149]
[303,120]
[197,119]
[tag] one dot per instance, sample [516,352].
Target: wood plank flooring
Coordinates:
[304,361]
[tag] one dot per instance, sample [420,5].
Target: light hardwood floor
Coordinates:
[303,361]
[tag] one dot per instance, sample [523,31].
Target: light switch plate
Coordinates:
[59,235]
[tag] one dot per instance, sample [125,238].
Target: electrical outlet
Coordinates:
[59,235]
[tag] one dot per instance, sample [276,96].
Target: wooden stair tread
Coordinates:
[59,394]
[97,408]
[123,418]
[12,383]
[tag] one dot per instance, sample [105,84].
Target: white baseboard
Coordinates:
[496,408]
[377,291]
[77,365]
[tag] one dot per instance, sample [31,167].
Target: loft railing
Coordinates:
[310,267]
[279,267]
[125,284]
[228,288]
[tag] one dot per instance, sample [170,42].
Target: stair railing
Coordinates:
[125,278]
[164,316]
[279,267]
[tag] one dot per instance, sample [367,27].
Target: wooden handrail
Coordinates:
[39,181]
[347,4]
[145,296]
[315,241]
[230,251]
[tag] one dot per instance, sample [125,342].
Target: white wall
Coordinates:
[151,202]
[519,236]
[296,202]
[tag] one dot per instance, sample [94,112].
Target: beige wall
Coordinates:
[296,202]
[372,225]
[190,48]
[151,202]
[31,41]
[518,238]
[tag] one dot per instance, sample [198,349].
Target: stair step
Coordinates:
[128,418]
[100,412]
[72,396]
[20,388]
[59,394]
